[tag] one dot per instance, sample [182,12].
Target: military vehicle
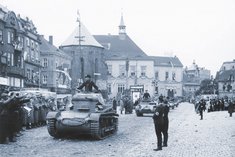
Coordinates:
[145,106]
[86,115]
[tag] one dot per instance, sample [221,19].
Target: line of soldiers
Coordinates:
[161,123]
[17,112]
[10,109]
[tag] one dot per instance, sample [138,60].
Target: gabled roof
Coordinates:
[225,75]
[167,61]
[87,38]
[47,48]
[120,48]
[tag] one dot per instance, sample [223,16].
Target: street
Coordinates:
[214,136]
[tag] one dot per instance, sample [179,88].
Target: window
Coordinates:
[27,41]
[156,75]
[8,59]
[156,90]
[173,75]
[121,70]
[121,88]
[109,88]
[44,79]
[28,74]
[109,69]
[45,62]
[1,36]
[143,70]
[166,75]
[133,70]
[8,37]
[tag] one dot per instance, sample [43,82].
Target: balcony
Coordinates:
[15,70]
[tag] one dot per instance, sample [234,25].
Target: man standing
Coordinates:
[88,84]
[114,104]
[146,95]
[202,107]
[159,125]
[166,123]
[230,108]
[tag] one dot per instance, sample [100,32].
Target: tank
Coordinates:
[86,115]
[145,106]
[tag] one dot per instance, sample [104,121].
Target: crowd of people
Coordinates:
[19,112]
[215,104]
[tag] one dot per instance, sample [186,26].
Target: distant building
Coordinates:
[192,77]
[226,79]
[56,66]
[87,57]
[130,68]
[168,72]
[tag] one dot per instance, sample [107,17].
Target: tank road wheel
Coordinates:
[51,127]
[96,132]
[115,125]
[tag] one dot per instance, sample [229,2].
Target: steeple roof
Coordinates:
[87,38]
[122,21]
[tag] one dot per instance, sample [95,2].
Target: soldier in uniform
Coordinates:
[3,117]
[166,123]
[202,107]
[159,125]
[88,84]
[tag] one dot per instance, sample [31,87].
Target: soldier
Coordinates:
[3,117]
[230,108]
[88,84]
[166,123]
[159,125]
[202,107]
[146,95]
[114,104]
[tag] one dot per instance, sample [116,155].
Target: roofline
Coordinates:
[81,46]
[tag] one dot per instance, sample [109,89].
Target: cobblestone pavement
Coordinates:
[214,136]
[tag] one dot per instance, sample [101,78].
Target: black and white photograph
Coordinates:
[117,78]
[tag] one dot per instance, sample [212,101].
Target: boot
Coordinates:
[158,149]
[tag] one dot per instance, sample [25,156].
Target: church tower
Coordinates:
[122,29]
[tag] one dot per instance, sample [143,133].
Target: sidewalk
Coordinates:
[214,136]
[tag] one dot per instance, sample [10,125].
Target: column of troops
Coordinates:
[19,111]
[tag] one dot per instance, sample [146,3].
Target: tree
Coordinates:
[208,86]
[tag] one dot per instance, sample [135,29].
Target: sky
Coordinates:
[193,30]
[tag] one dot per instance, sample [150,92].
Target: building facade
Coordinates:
[56,67]
[11,48]
[87,57]
[168,72]
[19,47]
[192,78]
[226,79]
[129,68]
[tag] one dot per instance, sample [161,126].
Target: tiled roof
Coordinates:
[87,38]
[120,48]
[46,47]
[167,61]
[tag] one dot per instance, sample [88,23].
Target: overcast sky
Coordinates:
[200,30]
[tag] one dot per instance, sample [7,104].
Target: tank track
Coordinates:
[106,126]
[51,128]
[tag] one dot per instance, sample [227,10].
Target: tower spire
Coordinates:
[122,29]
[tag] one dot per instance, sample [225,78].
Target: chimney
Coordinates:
[51,39]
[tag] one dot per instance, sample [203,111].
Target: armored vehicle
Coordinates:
[145,106]
[87,114]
